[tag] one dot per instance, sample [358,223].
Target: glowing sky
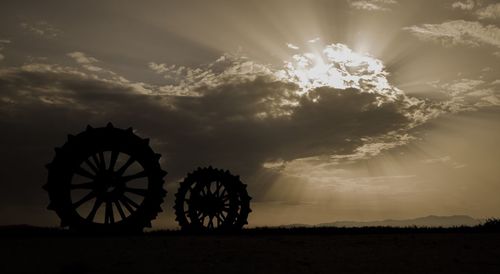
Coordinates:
[329,110]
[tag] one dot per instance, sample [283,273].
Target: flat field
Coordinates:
[263,252]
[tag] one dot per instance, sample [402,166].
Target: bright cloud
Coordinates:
[339,67]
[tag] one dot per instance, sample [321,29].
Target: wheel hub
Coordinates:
[108,184]
[211,205]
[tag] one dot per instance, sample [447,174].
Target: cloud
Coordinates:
[2,42]
[292,46]
[464,5]
[186,81]
[489,12]
[314,40]
[372,147]
[232,113]
[458,32]
[42,28]
[91,65]
[238,115]
[469,94]
[86,61]
[162,68]
[340,67]
[372,5]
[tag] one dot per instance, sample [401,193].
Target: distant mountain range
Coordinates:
[428,221]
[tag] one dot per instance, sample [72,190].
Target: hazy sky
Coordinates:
[329,110]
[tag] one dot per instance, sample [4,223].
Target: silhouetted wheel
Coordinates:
[106,180]
[212,199]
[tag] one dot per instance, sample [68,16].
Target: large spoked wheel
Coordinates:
[212,200]
[106,180]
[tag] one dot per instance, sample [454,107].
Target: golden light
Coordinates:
[339,67]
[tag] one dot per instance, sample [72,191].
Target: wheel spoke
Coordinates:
[91,165]
[211,222]
[82,172]
[85,199]
[217,190]
[141,174]
[128,203]
[222,217]
[96,161]
[138,191]
[112,161]
[109,217]
[102,162]
[120,210]
[93,212]
[226,209]
[219,220]
[125,166]
[89,185]
[224,192]
[203,215]
[203,191]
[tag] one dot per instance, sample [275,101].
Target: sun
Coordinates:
[339,67]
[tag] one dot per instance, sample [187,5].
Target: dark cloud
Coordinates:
[238,125]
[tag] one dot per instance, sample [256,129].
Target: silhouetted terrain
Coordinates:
[428,221]
[26,249]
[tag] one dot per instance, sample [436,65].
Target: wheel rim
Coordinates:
[212,205]
[113,182]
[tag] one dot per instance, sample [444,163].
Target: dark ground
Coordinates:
[266,251]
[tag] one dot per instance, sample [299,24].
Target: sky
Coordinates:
[329,110]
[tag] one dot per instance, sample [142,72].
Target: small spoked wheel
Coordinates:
[212,200]
[106,179]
